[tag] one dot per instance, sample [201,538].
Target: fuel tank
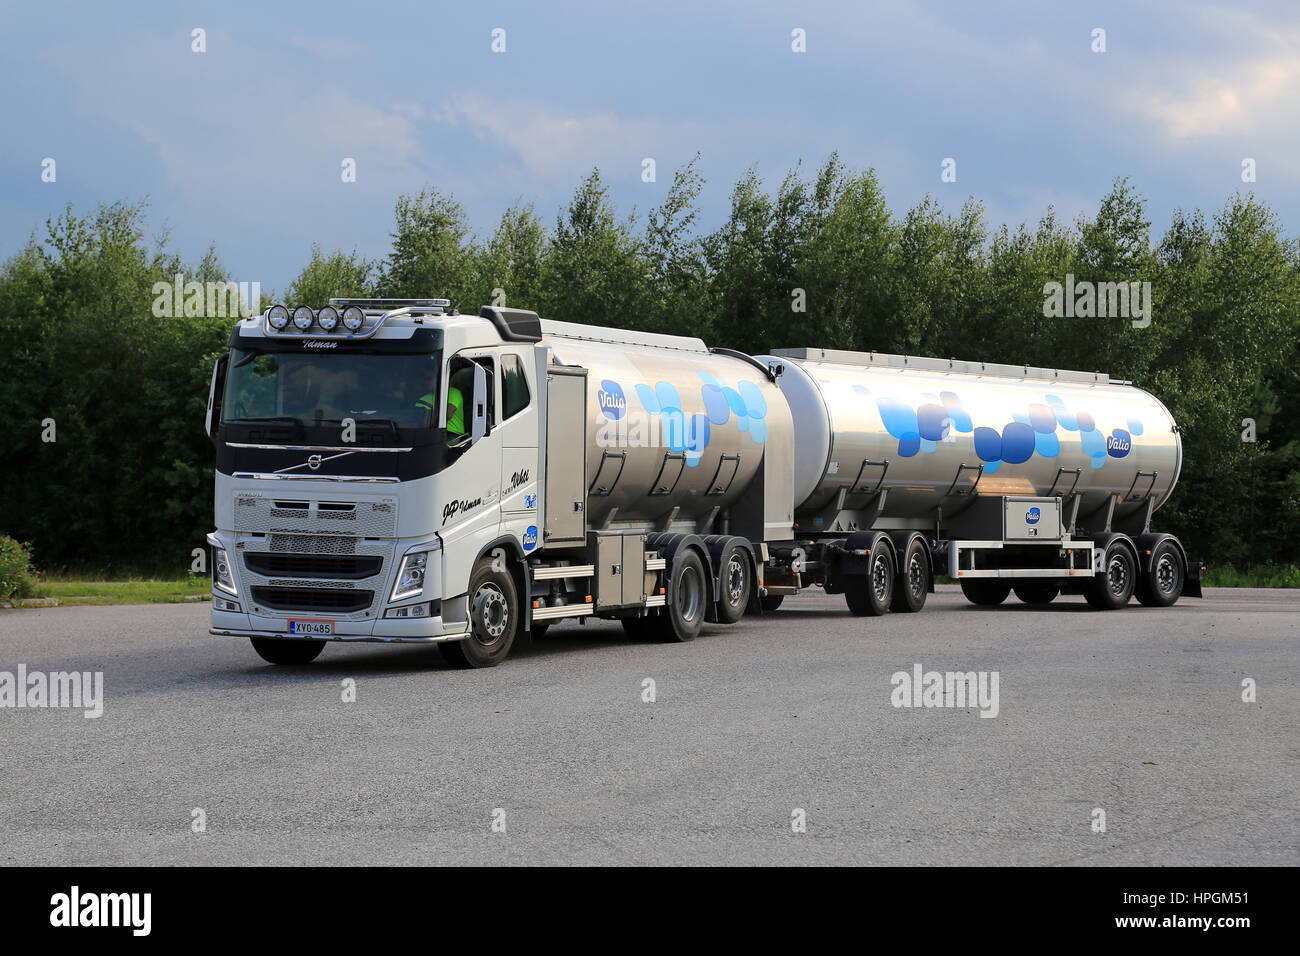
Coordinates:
[928,430]
[670,424]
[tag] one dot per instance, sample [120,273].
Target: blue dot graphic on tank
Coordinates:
[688,433]
[745,401]
[1032,430]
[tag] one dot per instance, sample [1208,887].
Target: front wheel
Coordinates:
[493,617]
[278,650]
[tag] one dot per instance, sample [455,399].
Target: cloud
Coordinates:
[329,47]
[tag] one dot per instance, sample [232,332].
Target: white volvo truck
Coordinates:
[389,470]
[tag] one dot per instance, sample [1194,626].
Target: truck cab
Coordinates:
[368,456]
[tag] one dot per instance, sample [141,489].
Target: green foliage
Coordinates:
[338,275]
[819,259]
[18,579]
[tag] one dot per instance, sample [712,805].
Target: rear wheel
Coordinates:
[1162,584]
[493,617]
[276,650]
[1112,588]
[986,592]
[687,594]
[914,581]
[1037,592]
[870,595]
[737,583]
[770,602]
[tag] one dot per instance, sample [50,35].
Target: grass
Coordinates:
[133,591]
[71,590]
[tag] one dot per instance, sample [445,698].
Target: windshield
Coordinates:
[313,389]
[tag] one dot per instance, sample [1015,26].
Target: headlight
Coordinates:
[278,316]
[303,317]
[221,574]
[353,318]
[410,577]
[328,318]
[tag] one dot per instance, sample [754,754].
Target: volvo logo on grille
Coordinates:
[314,462]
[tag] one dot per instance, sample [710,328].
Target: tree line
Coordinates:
[819,258]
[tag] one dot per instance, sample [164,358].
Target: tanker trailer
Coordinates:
[390,470]
[1003,477]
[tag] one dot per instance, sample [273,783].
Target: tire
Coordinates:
[913,580]
[1112,588]
[494,620]
[871,594]
[1037,592]
[986,592]
[770,602]
[1162,584]
[275,650]
[737,583]
[688,595]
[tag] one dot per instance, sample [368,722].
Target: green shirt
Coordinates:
[456,417]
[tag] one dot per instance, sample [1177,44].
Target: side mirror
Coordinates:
[478,422]
[214,394]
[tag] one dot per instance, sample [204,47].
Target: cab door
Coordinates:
[468,509]
[517,405]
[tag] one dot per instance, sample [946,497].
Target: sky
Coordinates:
[242,145]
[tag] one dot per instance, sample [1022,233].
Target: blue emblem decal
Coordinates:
[530,537]
[613,404]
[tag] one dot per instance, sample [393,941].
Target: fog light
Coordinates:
[328,318]
[303,317]
[353,318]
[278,317]
[413,610]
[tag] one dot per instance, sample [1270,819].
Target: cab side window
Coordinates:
[514,387]
[460,393]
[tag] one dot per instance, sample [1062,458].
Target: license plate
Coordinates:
[311,627]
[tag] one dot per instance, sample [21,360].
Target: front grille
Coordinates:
[313,599]
[341,567]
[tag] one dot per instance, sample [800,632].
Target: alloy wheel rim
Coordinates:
[916,575]
[688,594]
[880,577]
[735,580]
[491,613]
[1166,573]
[1117,573]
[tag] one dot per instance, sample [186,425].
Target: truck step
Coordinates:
[563,571]
[562,610]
